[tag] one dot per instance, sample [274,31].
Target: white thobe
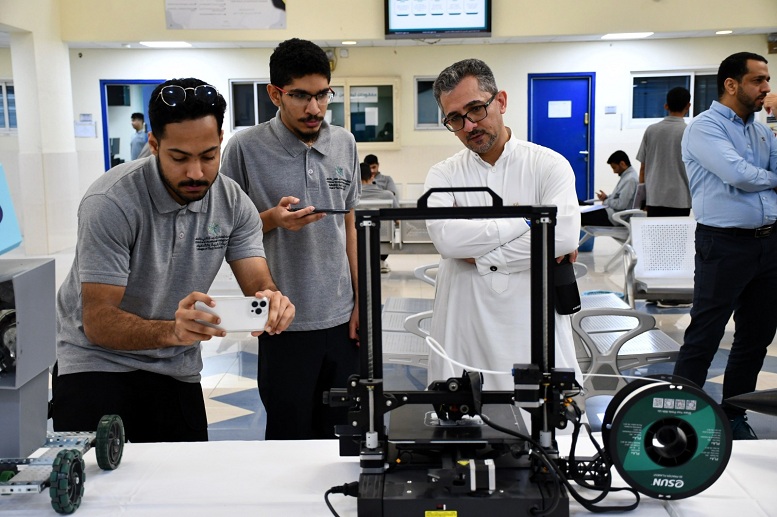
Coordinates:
[482,311]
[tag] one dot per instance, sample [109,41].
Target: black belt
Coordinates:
[758,233]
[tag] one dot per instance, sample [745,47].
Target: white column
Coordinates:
[48,163]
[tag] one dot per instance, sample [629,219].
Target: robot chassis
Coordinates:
[31,459]
[61,466]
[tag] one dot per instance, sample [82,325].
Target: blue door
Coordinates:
[145,86]
[561,117]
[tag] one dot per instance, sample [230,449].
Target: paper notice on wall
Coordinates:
[225,14]
[367,94]
[85,130]
[559,109]
[370,116]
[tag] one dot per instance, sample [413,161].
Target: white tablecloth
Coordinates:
[285,479]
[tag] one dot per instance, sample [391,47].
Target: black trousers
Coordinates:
[153,407]
[595,218]
[734,274]
[666,211]
[295,368]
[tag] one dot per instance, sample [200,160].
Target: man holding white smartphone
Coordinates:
[152,235]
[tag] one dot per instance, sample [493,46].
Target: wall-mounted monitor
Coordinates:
[118,94]
[421,19]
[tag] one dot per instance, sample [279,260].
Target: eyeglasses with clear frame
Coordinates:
[174,95]
[302,98]
[456,122]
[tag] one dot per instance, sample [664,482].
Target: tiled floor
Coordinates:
[234,408]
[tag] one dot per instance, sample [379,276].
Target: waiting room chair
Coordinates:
[609,340]
[659,260]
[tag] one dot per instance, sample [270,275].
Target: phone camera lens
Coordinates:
[263,303]
[254,304]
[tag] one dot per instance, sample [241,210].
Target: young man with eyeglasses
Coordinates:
[298,160]
[482,306]
[152,235]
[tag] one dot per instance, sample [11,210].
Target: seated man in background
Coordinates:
[152,236]
[371,190]
[622,198]
[383,181]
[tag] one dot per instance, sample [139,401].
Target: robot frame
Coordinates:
[31,459]
[61,467]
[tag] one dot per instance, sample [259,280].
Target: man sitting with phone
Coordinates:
[621,198]
[152,235]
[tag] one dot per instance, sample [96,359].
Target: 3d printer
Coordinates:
[457,450]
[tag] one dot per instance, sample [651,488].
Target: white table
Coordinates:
[287,479]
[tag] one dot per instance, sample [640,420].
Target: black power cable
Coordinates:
[553,467]
[351,489]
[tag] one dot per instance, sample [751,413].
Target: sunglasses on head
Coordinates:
[174,95]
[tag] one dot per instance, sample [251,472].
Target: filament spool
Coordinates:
[667,438]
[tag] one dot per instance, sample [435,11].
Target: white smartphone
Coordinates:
[237,313]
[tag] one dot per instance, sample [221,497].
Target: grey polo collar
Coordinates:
[293,145]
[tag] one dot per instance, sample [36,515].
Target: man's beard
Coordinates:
[748,102]
[483,147]
[312,135]
[177,190]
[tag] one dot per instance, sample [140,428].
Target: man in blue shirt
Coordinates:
[731,162]
[140,137]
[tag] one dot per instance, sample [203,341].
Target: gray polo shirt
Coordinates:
[370,191]
[386,183]
[131,233]
[309,266]
[666,182]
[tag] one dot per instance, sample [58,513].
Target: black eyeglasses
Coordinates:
[303,98]
[174,95]
[456,122]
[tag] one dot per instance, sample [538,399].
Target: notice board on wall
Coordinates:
[225,14]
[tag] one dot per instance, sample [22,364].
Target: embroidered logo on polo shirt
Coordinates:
[214,240]
[338,182]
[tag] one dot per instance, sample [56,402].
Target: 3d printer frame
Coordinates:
[542,220]
[365,434]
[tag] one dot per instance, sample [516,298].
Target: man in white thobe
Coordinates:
[482,304]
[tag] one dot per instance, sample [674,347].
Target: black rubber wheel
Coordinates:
[7,341]
[109,443]
[66,483]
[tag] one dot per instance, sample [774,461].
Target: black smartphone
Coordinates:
[323,210]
